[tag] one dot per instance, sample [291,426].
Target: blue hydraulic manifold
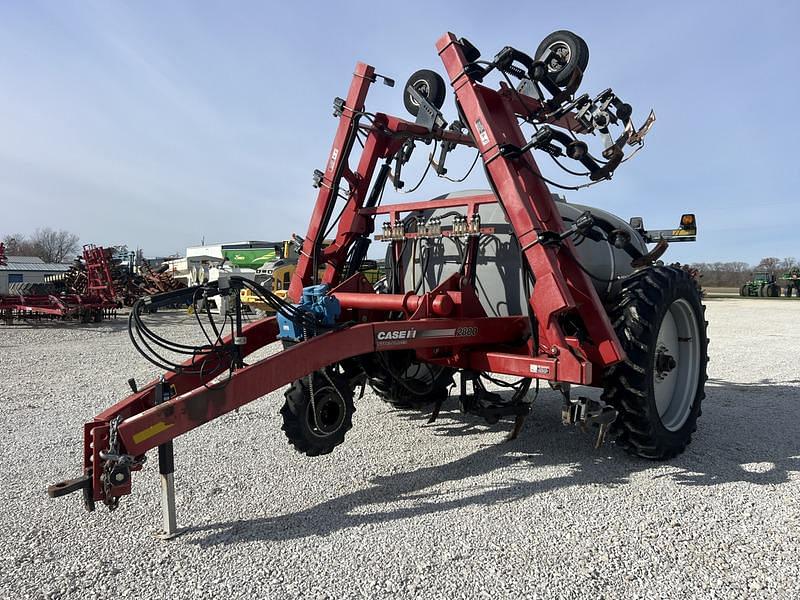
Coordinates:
[316,302]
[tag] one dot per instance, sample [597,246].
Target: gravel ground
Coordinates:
[405,509]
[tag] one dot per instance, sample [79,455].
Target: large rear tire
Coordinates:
[401,380]
[658,390]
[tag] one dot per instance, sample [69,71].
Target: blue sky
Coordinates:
[157,124]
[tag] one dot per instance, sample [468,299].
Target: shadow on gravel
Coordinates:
[746,435]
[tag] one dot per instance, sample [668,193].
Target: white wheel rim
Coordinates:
[676,367]
[422,87]
[564,53]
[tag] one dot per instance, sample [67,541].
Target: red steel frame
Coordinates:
[445,326]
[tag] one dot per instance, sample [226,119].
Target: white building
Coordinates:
[27,269]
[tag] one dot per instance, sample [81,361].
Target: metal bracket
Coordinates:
[587,412]
[428,116]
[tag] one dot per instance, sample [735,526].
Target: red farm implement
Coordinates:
[97,302]
[507,281]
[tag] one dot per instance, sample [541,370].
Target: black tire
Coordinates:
[788,291]
[743,290]
[333,400]
[429,84]
[571,47]
[401,380]
[637,312]
[774,291]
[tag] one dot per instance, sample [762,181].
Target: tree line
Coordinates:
[734,274]
[52,246]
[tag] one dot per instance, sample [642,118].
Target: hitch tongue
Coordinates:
[69,486]
[82,483]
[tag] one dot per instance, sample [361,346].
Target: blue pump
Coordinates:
[315,301]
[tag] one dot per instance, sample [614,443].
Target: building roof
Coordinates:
[25,259]
[14,265]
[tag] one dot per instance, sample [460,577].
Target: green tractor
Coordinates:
[792,279]
[763,284]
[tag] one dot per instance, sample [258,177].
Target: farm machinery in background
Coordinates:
[95,301]
[792,279]
[128,283]
[276,275]
[93,288]
[506,281]
[763,284]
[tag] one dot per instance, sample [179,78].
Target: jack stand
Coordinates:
[166,469]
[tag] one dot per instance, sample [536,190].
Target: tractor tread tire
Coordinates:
[400,396]
[636,313]
[295,415]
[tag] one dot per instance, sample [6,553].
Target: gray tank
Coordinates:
[499,276]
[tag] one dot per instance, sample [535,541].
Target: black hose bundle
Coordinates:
[151,345]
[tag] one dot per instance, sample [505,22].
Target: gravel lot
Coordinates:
[404,509]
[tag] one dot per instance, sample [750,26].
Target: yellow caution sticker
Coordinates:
[155,429]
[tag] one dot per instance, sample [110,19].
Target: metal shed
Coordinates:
[27,269]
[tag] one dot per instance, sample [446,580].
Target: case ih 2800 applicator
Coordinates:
[509,281]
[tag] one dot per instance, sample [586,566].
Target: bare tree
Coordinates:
[19,245]
[53,246]
[769,263]
[788,263]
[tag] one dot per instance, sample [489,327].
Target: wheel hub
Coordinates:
[423,88]
[561,58]
[665,363]
[329,413]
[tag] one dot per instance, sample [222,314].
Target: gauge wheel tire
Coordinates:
[333,401]
[429,84]
[571,48]
[658,389]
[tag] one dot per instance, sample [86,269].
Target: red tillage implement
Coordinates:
[597,308]
[98,301]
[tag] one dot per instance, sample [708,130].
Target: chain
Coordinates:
[113,450]
[311,389]
[113,456]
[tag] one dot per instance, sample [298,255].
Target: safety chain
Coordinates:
[113,458]
[311,389]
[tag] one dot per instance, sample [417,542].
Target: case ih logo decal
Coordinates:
[406,334]
[402,336]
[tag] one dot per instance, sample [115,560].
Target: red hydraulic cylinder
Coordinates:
[441,304]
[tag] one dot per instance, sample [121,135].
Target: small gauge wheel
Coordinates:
[568,51]
[428,84]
